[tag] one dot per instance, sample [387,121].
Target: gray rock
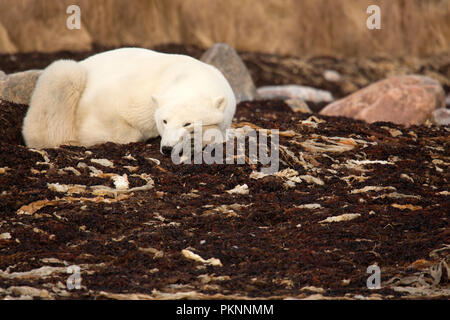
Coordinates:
[298,105]
[226,59]
[293,91]
[3,77]
[2,86]
[441,117]
[18,87]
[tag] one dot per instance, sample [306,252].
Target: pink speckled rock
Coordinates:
[406,100]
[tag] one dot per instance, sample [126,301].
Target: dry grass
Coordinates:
[297,27]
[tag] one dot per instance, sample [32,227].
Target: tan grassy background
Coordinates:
[294,27]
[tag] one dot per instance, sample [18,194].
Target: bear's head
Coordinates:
[177,120]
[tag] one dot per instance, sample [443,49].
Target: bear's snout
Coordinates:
[167,151]
[171,138]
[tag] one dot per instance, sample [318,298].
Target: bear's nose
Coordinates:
[166,150]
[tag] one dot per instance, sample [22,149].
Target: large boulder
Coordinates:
[407,100]
[227,60]
[18,87]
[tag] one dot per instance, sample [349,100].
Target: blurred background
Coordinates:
[302,28]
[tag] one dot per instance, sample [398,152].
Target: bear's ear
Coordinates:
[220,103]
[155,101]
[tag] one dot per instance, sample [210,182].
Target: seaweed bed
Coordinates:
[176,233]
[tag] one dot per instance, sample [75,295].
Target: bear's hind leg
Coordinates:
[50,120]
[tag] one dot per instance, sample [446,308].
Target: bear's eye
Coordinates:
[187,124]
[165,121]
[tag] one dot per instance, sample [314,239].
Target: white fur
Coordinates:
[50,119]
[123,96]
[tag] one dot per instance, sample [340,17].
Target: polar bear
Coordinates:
[126,95]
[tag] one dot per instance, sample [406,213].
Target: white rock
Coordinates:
[332,76]
[293,91]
